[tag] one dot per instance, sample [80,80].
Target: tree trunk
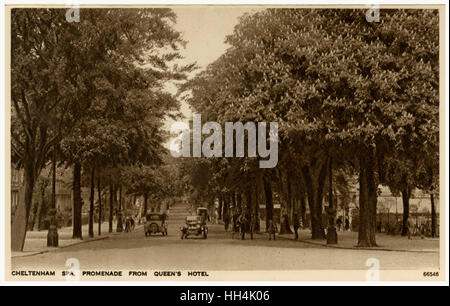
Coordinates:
[54,178]
[111,208]
[291,199]
[77,216]
[21,215]
[37,224]
[285,227]
[120,198]
[239,201]
[248,206]
[256,209]
[433,216]
[233,201]
[226,207]
[100,215]
[33,217]
[43,213]
[314,189]
[406,194]
[145,203]
[367,201]
[119,227]
[269,201]
[91,204]
[219,209]
[303,211]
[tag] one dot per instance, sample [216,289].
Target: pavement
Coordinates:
[348,240]
[221,252]
[36,241]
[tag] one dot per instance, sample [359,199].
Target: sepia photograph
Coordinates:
[169,143]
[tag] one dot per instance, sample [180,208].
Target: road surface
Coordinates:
[133,250]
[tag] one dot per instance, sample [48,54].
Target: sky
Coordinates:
[204,28]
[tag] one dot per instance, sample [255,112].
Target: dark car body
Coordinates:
[194,227]
[155,223]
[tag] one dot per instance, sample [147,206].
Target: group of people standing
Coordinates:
[343,225]
[243,223]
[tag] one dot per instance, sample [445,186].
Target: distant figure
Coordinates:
[132,223]
[272,229]
[236,224]
[347,224]
[409,227]
[339,223]
[399,226]
[164,217]
[128,224]
[422,231]
[226,221]
[387,228]
[244,224]
[296,226]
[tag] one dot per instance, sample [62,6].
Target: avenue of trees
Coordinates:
[89,96]
[356,100]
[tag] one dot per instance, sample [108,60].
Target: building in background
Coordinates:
[17,191]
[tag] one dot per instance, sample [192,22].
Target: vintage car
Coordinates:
[155,223]
[194,227]
[203,213]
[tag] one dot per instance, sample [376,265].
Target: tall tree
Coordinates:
[335,83]
[44,104]
[130,103]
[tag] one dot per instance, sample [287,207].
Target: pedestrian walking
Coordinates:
[409,227]
[422,231]
[164,217]
[128,224]
[296,225]
[339,223]
[236,225]
[272,229]
[132,223]
[226,221]
[244,225]
[347,224]
[379,226]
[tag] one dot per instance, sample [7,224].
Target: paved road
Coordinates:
[130,251]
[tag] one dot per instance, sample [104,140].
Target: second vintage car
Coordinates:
[194,227]
[155,223]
